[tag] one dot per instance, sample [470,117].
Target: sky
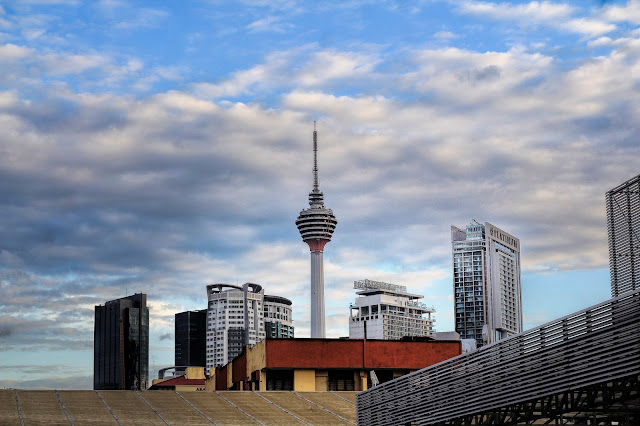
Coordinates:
[159,146]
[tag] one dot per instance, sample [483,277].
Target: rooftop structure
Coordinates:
[386,311]
[486,283]
[623,226]
[316,225]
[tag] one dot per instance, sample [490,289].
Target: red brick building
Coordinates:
[328,364]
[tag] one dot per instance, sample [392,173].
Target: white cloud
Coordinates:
[600,42]
[589,27]
[304,66]
[11,52]
[142,18]
[533,11]
[64,64]
[627,13]
[269,23]
[445,35]
[559,16]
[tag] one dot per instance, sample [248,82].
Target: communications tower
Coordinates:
[316,225]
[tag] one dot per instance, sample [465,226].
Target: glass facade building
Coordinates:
[486,283]
[191,338]
[121,344]
[623,228]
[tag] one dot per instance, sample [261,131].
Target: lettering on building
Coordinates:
[504,238]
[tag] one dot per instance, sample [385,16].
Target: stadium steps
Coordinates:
[350,396]
[130,408]
[333,403]
[174,409]
[303,409]
[85,407]
[216,408]
[264,411]
[41,408]
[8,408]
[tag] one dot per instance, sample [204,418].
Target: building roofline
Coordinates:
[386,291]
[277,299]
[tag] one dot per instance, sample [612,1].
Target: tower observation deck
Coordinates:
[316,225]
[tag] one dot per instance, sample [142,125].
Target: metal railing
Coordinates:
[587,347]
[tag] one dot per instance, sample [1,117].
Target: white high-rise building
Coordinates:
[486,283]
[278,320]
[236,317]
[386,311]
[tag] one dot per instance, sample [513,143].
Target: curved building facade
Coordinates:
[278,322]
[234,319]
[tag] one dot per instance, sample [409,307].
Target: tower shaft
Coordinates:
[317,295]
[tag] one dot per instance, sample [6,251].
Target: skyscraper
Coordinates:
[486,283]
[316,225]
[121,344]
[623,226]
[191,338]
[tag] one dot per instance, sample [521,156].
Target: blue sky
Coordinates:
[160,146]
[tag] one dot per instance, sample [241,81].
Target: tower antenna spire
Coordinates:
[315,158]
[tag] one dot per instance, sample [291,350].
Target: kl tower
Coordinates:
[316,225]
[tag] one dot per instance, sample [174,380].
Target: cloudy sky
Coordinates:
[157,147]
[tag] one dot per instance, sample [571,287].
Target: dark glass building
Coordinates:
[121,344]
[191,338]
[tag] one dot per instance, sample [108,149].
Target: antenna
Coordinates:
[315,157]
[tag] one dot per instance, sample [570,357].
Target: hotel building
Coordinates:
[486,283]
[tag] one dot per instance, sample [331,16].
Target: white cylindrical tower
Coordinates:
[317,295]
[316,225]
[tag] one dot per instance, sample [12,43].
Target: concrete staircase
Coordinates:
[52,407]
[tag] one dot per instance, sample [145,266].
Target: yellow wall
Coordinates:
[190,388]
[304,380]
[256,361]
[322,380]
[361,380]
[210,383]
[194,373]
